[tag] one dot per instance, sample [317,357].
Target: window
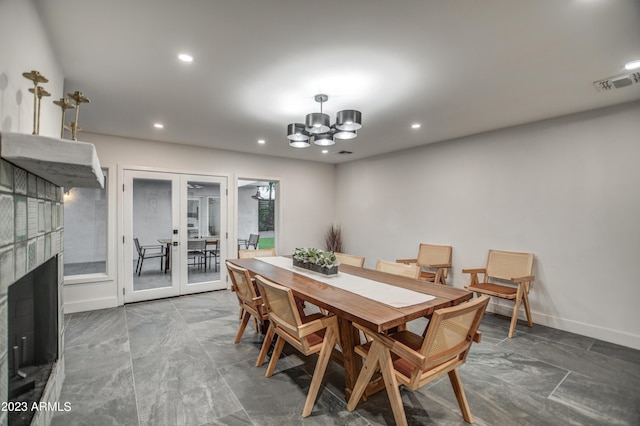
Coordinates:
[85,230]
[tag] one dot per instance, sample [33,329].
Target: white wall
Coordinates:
[247,212]
[24,47]
[566,189]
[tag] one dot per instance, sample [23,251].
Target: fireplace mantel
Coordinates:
[66,163]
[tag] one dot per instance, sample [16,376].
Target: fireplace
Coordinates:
[32,337]
[33,171]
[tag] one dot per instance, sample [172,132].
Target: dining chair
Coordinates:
[148,252]
[247,254]
[196,251]
[350,259]
[309,334]
[434,261]
[253,240]
[251,304]
[411,271]
[513,272]
[408,359]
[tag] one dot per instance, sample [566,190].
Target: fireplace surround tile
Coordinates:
[20,260]
[20,217]
[6,219]
[6,176]
[7,271]
[32,190]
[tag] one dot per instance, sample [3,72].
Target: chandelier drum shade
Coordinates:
[318,129]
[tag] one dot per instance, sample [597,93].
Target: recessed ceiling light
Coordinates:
[158,125]
[261,141]
[325,151]
[415,126]
[184,57]
[633,65]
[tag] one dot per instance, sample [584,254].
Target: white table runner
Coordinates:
[397,297]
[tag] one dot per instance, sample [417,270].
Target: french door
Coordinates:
[175,228]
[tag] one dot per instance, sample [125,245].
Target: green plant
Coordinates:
[324,259]
[333,238]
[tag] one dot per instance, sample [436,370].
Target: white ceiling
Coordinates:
[458,67]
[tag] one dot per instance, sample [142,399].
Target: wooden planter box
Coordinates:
[315,268]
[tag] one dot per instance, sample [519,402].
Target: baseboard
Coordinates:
[90,305]
[590,330]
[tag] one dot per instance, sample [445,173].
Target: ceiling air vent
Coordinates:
[343,152]
[618,81]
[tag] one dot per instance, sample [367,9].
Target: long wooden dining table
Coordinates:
[352,308]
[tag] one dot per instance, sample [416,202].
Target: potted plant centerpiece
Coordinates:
[317,260]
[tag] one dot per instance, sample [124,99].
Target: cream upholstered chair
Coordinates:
[405,358]
[513,273]
[246,254]
[411,271]
[250,302]
[313,334]
[434,260]
[350,259]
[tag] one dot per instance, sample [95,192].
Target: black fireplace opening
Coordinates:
[32,337]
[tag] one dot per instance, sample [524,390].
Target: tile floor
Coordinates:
[173,362]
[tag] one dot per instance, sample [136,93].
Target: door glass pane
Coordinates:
[256,214]
[85,230]
[152,232]
[203,232]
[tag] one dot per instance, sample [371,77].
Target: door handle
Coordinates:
[175,244]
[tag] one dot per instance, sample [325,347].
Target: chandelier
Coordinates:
[317,127]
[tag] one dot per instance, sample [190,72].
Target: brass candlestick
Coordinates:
[79,98]
[64,104]
[37,78]
[39,92]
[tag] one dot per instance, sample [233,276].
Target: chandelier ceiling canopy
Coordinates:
[318,128]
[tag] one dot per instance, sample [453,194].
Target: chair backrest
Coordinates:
[247,254]
[411,271]
[432,254]
[281,305]
[451,332]
[350,259]
[138,248]
[241,281]
[253,239]
[197,244]
[507,264]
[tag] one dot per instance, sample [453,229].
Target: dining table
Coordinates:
[377,304]
[168,242]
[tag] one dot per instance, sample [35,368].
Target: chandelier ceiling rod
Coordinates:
[317,126]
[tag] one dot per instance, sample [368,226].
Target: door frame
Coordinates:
[123,228]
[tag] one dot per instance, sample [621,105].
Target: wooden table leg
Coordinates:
[349,338]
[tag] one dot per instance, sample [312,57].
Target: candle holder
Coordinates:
[38,93]
[64,104]
[79,98]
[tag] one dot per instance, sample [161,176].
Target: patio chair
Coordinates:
[148,252]
[434,261]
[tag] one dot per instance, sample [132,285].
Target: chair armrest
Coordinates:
[438,265]
[406,261]
[523,279]
[474,271]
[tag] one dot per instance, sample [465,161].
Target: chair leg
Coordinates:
[268,338]
[243,325]
[140,268]
[527,308]
[369,367]
[390,382]
[516,308]
[277,350]
[456,383]
[329,343]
